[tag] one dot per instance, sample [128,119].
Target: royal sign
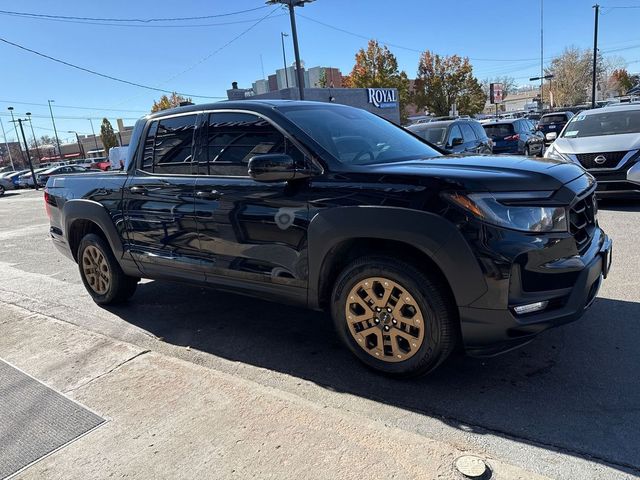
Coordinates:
[382,97]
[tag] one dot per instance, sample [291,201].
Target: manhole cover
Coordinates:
[471,467]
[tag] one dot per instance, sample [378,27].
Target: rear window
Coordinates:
[499,130]
[477,128]
[547,119]
[432,135]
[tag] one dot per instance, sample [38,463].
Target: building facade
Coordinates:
[381,101]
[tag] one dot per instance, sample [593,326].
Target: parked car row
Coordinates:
[24,179]
[465,135]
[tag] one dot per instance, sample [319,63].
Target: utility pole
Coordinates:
[4,135]
[541,56]
[95,139]
[595,56]
[294,32]
[284,58]
[33,174]
[35,141]
[54,127]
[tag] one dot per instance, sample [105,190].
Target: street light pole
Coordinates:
[595,56]
[80,149]
[55,131]
[4,135]
[35,141]
[13,120]
[94,135]
[284,58]
[33,174]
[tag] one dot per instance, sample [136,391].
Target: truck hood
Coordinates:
[488,173]
[603,143]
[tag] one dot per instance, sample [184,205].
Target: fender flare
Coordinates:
[83,209]
[432,234]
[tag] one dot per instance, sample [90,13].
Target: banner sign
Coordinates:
[495,92]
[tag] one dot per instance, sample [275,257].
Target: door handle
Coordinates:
[208,194]
[138,189]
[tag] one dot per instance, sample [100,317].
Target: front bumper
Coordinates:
[618,183]
[491,331]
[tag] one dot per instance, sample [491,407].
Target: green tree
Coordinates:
[108,136]
[621,81]
[322,81]
[167,102]
[377,67]
[443,81]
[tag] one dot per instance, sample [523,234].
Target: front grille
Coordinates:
[582,221]
[611,159]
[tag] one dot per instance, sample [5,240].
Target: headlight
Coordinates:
[499,209]
[553,153]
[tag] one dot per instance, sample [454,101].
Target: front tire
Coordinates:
[101,274]
[396,319]
[1,190]
[527,152]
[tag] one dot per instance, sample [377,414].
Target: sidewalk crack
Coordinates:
[111,370]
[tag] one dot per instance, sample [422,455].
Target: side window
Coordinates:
[480,133]
[467,133]
[234,138]
[168,146]
[454,133]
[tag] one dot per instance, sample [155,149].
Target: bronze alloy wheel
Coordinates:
[96,270]
[384,319]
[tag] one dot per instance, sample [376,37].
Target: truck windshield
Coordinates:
[357,137]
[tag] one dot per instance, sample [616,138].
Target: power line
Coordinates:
[83,22]
[74,107]
[207,57]
[348,32]
[140,20]
[103,75]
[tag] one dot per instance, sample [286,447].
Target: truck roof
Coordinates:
[239,104]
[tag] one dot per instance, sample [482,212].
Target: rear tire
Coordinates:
[527,152]
[1,190]
[101,274]
[404,322]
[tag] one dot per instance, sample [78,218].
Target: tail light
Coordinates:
[512,137]
[49,200]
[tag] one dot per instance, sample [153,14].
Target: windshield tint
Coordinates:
[431,134]
[553,119]
[599,124]
[499,130]
[357,137]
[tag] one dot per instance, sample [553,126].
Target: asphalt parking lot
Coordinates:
[564,406]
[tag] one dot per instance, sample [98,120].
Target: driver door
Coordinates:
[455,141]
[250,232]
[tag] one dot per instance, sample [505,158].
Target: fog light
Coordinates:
[531,307]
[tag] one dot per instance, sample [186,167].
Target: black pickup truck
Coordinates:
[332,208]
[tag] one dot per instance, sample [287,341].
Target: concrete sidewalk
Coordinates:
[169,418]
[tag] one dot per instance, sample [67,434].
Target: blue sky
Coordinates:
[499,37]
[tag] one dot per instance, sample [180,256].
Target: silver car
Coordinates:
[606,142]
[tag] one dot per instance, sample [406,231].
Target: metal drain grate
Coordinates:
[35,420]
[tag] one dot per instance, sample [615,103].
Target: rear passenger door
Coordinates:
[158,201]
